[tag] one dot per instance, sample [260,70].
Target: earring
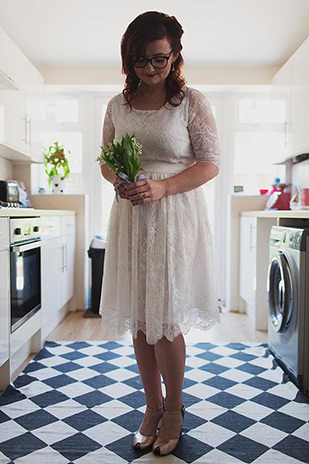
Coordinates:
[173,67]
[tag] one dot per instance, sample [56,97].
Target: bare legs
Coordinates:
[166,358]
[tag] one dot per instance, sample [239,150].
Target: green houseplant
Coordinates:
[56,166]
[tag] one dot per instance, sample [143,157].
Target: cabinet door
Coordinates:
[300,99]
[4,307]
[15,120]
[248,259]
[35,122]
[297,102]
[68,268]
[282,85]
[51,262]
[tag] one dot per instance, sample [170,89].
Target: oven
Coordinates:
[25,269]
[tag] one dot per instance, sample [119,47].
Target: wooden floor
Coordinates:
[234,327]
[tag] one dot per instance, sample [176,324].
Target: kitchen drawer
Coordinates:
[4,233]
[67,225]
[50,227]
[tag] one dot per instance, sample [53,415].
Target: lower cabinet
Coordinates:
[51,278]
[248,260]
[57,263]
[67,281]
[254,261]
[4,306]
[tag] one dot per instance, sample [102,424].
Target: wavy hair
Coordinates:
[145,28]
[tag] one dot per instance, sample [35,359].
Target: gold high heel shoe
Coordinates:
[144,441]
[163,447]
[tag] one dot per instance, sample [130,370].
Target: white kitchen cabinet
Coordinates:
[57,262]
[254,260]
[248,260]
[22,109]
[23,117]
[282,86]
[292,82]
[68,247]
[35,122]
[16,125]
[300,99]
[15,65]
[4,291]
[51,278]
[68,253]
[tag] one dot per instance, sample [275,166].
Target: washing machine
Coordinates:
[288,302]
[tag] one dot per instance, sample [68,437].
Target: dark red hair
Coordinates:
[144,29]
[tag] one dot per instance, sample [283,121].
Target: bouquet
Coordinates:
[123,157]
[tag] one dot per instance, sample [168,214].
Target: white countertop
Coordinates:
[278,214]
[32,212]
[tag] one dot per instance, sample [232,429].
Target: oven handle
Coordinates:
[26,247]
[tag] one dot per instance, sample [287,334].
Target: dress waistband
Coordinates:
[161,166]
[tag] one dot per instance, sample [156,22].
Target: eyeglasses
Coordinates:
[157,62]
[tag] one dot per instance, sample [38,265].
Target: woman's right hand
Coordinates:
[120,188]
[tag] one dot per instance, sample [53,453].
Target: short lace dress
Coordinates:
[159,270]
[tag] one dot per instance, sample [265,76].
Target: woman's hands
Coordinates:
[141,191]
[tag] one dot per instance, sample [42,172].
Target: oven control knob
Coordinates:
[17,231]
[36,229]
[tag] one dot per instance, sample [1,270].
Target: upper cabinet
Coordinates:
[21,110]
[300,100]
[15,66]
[292,81]
[282,84]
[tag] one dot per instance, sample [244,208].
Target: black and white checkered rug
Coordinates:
[80,402]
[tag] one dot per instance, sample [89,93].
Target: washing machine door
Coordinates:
[280,291]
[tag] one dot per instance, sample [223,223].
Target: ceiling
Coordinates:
[217,32]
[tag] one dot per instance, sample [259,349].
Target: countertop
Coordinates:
[32,212]
[278,214]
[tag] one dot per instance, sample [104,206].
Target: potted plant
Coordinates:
[56,166]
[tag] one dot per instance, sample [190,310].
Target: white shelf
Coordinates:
[13,154]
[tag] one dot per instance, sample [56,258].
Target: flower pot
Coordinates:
[57,184]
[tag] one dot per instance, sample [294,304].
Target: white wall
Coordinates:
[300,174]
[6,169]
[111,75]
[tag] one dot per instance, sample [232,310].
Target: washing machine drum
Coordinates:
[281,291]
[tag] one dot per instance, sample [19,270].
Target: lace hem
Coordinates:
[203,320]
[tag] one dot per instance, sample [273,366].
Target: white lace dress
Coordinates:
[159,270]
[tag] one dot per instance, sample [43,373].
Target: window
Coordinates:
[258,143]
[62,110]
[63,125]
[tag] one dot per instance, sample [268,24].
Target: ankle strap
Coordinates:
[182,410]
[156,409]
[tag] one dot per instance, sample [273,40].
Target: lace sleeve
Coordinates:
[202,129]
[108,127]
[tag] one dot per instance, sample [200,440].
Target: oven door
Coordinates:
[25,282]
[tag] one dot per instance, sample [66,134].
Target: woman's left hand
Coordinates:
[145,190]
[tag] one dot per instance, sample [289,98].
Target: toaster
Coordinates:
[9,192]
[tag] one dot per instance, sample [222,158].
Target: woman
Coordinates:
[158,275]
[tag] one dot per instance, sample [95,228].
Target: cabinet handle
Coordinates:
[251,236]
[29,123]
[66,257]
[62,257]
[26,129]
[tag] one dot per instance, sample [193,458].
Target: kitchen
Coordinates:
[58,89]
